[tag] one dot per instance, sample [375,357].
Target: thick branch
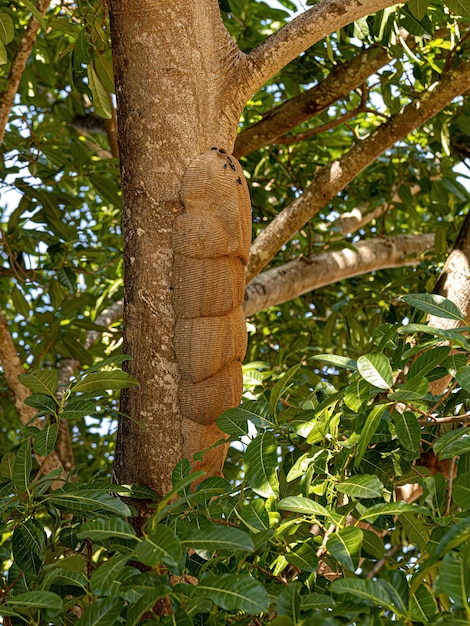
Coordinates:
[330,180]
[17,67]
[12,368]
[283,118]
[302,32]
[297,277]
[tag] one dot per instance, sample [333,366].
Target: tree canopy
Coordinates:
[354,153]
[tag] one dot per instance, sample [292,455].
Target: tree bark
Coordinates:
[328,181]
[18,64]
[174,63]
[299,276]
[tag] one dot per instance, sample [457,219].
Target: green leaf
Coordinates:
[89,500]
[414,389]
[436,305]
[418,8]
[336,361]
[7,465]
[280,386]
[461,491]
[463,377]
[20,304]
[368,431]
[103,612]
[459,7]
[233,422]
[234,592]
[3,54]
[255,516]
[345,546]
[408,429]
[260,465]
[453,443]
[375,368]
[428,361]
[423,605]
[78,408]
[22,466]
[46,405]
[454,578]
[456,536]
[304,558]
[216,537]
[304,506]
[104,68]
[453,336]
[29,544]
[391,508]
[361,486]
[7,28]
[103,381]
[105,580]
[102,529]
[41,381]
[370,590]
[288,602]
[160,544]
[35,600]
[101,98]
[44,442]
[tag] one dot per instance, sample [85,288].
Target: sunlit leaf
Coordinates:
[375,368]
[260,465]
[361,486]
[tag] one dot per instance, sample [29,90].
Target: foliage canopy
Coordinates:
[307,526]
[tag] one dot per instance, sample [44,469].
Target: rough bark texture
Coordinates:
[18,64]
[330,180]
[288,281]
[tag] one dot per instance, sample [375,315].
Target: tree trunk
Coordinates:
[173,68]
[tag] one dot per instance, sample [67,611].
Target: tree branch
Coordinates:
[12,368]
[17,67]
[297,277]
[302,32]
[312,102]
[328,181]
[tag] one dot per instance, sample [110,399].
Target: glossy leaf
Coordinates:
[375,368]
[35,600]
[160,544]
[103,612]
[217,537]
[345,546]
[371,424]
[408,429]
[361,486]
[304,506]
[233,592]
[434,304]
[260,465]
